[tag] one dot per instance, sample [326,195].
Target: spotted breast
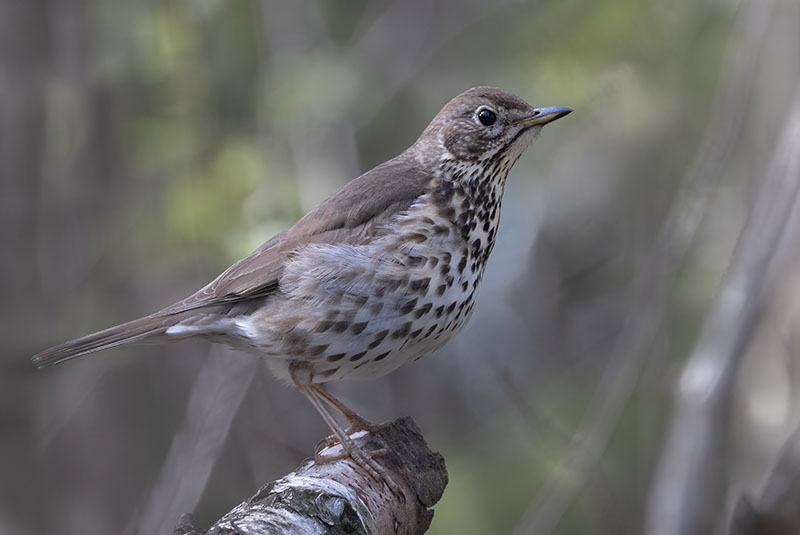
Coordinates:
[361,311]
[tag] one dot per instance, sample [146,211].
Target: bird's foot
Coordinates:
[364,459]
[357,423]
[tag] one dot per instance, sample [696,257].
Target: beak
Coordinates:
[542,116]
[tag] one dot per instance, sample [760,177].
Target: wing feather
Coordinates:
[352,215]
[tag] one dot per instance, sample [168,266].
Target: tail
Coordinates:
[133,331]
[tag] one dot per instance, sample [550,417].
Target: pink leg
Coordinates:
[361,458]
[357,423]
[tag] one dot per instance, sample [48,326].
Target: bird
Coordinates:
[378,274]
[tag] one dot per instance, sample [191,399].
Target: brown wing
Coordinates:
[352,215]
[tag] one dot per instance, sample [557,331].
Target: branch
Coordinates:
[775,512]
[338,497]
[685,496]
[216,396]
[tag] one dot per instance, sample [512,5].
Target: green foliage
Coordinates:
[201,206]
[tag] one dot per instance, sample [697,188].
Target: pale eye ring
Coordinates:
[486,116]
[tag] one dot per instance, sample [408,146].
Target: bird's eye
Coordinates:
[487,117]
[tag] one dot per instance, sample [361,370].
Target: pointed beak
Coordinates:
[542,116]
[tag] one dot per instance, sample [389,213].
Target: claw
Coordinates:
[318,397]
[358,423]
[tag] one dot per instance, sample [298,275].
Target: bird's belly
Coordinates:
[362,322]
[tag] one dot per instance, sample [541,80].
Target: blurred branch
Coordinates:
[775,512]
[338,497]
[685,496]
[653,286]
[215,399]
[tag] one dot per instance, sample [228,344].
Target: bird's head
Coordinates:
[485,123]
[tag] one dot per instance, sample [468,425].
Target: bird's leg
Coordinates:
[357,423]
[362,458]
[301,376]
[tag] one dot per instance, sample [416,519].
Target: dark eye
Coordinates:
[487,117]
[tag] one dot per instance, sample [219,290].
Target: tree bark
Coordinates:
[339,497]
[775,511]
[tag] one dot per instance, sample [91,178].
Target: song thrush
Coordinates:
[378,274]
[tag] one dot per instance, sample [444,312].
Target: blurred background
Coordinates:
[145,146]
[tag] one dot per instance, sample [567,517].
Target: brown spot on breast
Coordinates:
[381,335]
[336,357]
[360,300]
[340,326]
[443,192]
[464,286]
[416,333]
[347,276]
[408,306]
[296,341]
[322,326]
[439,311]
[358,328]
[357,356]
[393,284]
[381,356]
[328,373]
[420,285]
[317,350]
[375,308]
[433,261]
[378,339]
[289,323]
[415,237]
[462,264]
[414,261]
[441,289]
[424,309]
[402,331]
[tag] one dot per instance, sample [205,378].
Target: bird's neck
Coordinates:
[469,196]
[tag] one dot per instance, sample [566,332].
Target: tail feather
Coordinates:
[130,332]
